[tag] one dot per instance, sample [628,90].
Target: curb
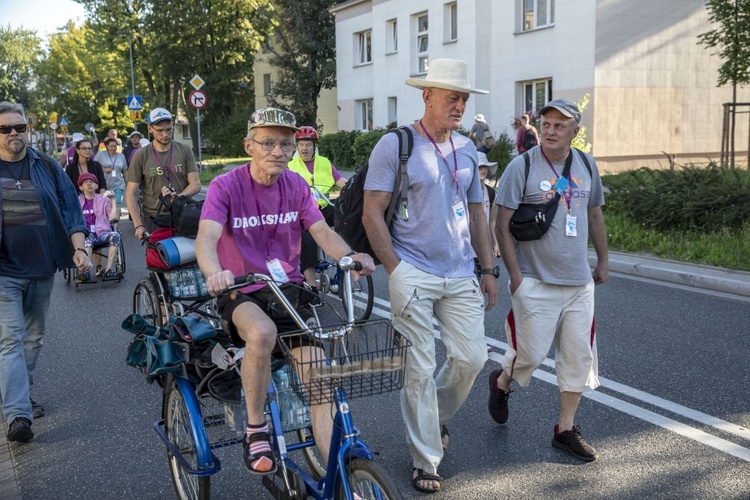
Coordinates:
[717,279]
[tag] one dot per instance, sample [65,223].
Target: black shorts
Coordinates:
[264,298]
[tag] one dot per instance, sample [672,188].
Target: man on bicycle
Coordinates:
[318,172]
[252,222]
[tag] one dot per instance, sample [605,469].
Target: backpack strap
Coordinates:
[585,161]
[401,185]
[526,168]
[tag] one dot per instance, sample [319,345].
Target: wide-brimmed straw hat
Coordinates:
[449,74]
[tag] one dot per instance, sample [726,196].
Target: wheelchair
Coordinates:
[102,250]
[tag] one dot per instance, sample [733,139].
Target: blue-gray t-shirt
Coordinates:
[434,239]
[555,258]
[25,250]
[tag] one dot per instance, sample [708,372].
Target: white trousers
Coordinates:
[428,401]
[543,315]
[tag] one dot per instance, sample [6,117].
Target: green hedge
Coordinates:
[687,199]
[338,148]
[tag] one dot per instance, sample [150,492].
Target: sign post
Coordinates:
[198,100]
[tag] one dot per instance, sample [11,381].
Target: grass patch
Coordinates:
[214,166]
[726,248]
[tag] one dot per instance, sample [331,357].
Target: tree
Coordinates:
[731,39]
[173,40]
[305,53]
[19,52]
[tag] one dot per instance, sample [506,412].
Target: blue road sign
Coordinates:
[135,102]
[63,122]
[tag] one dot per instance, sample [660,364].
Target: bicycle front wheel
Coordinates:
[179,431]
[363,296]
[146,302]
[370,481]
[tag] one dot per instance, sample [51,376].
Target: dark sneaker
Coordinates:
[315,297]
[20,430]
[572,442]
[498,403]
[37,410]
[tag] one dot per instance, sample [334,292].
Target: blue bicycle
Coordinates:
[201,410]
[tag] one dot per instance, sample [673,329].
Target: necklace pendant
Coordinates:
[18,184]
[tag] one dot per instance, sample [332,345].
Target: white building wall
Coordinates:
[652,87]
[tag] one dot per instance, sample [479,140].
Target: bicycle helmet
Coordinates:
[306,132]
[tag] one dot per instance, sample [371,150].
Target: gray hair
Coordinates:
[11,107]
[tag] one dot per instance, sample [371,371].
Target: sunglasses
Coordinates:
[6,129]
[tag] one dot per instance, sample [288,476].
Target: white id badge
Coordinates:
[93,229]
[316,195]
[459,211]
[277,271]
[570,225]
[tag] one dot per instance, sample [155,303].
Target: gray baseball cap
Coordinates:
[564,106]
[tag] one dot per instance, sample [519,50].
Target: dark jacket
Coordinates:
[94,167]
[59,204]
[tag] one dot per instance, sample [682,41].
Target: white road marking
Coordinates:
[636,411]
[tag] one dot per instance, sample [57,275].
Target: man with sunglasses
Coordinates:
[42,231]
[163,168]
[252,222]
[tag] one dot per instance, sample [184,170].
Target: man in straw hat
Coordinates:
[428,255]
[551,283]
[252,222]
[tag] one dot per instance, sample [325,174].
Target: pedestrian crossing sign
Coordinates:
[135,102]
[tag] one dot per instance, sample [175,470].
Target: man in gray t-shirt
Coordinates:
[429,259]
[551,284]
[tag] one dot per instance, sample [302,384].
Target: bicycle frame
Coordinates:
[345,443]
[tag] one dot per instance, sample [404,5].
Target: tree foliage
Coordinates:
[304,50]
[19,51]
[730,39]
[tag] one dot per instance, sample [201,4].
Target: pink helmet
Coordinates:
[306,132]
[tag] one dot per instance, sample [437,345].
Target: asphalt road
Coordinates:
[672,419]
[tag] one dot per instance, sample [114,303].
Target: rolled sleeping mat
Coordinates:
[176,251]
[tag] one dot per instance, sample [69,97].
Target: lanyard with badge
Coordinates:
[562,187]
[161,170]
[459,211]
[112,160]
[275,269]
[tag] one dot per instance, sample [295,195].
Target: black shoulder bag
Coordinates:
[530,221]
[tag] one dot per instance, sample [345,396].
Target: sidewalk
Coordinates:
[696,276]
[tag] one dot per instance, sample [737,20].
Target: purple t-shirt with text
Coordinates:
[249,239]
[88,214]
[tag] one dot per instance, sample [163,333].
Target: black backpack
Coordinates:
[529,139]
[350,203]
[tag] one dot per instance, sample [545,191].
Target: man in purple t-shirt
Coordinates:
[252,222]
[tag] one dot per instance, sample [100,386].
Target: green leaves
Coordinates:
[19,52]
[730,39]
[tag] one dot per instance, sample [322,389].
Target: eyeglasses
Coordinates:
[84,149]
[162,130]
[6,129]
[286,146]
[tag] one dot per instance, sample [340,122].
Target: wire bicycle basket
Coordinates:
[362,359]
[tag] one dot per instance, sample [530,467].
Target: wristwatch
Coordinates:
[494,271]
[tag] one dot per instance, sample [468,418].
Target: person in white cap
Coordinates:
[134,145]
[231,243]
[477,132]
[551,283]
[165,168]
[428,253]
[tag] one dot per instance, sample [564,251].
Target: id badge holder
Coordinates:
[276,271]
[570,225]
[316,195]
[560,185]
[459,211]
[92,229]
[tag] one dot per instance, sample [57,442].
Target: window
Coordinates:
[391,36]
[422,44]
[364,47]
[185,131]
[392,111]
[537,13]
[451,22]
[363,118]
[535,95]
[267,84]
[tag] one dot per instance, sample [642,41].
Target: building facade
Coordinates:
[652,87]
